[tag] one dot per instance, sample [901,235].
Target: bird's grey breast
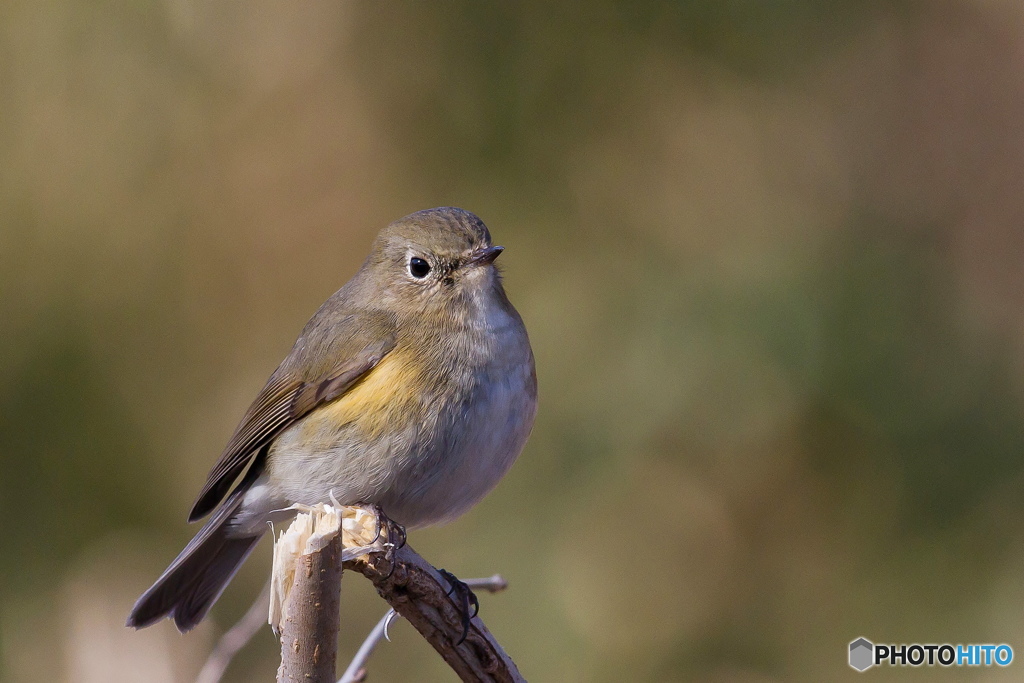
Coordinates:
[481,429]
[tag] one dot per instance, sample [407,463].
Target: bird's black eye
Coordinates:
[418,268]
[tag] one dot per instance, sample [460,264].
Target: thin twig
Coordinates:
[492,584]
[235,638]
[356,670]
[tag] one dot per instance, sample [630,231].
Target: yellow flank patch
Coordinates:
[384,396]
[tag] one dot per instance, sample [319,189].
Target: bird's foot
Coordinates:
[465,598]
[395,536]
[393,532]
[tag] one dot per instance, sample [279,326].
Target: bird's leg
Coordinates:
[395,533]
[464,598]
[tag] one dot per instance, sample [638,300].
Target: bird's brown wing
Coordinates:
[329,357]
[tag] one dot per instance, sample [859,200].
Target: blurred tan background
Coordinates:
[769,254]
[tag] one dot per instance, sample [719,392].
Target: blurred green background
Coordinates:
[769,254]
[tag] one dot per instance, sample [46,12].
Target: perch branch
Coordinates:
[419,593]
[356,670]
[306,586]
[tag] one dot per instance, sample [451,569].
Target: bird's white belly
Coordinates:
[491,433]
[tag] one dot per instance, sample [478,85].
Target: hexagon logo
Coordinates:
[862,653]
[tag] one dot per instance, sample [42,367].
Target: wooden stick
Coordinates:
[309,630]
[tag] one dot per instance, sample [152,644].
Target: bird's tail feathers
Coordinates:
[197,577]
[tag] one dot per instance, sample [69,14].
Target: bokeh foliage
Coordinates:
[769,256]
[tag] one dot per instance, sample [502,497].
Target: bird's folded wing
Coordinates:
[329,358]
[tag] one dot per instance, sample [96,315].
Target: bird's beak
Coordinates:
[484,255]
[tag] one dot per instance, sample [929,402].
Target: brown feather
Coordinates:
[364,339]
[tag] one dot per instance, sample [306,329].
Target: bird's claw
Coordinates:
[465,598]
[395,534]
[394,531]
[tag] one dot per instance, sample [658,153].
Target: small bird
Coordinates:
[412,388]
